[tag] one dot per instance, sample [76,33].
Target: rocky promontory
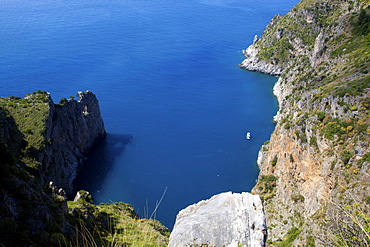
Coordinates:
[42,146]
[73,127]
[253,63]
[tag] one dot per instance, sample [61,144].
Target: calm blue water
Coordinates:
[166,73]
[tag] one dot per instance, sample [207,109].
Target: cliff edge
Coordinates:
[42,145]
[314,172]
[73,127]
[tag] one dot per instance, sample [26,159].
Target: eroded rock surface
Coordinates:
[73,129]
[227,219]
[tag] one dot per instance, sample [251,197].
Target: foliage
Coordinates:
[345,156]
[280,52]
[336,127]
[289,238]
[366,157]
[350,225]
[320,115]
[114,224]
[298,198]
[63,101]
[274,160]
[353,88]
[362,25]
[313,142]
[266,186]
[30,115]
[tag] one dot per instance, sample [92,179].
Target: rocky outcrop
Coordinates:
[253,63]
[72,128]
[228,219]
[42,146]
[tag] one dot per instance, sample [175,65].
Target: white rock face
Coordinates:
[227,219]
[252,63]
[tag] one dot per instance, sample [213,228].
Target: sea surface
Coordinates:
[175,103]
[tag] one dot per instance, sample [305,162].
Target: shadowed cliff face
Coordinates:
[41,142]
[72,129]
[316,165]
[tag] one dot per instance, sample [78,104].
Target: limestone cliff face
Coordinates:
[227,219]
[72,129]
[316,164]
[42,145]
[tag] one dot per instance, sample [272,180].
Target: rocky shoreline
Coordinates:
[253,63]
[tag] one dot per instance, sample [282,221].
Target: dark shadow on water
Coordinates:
[100,161]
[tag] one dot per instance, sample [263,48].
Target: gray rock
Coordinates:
[255,39]
[253,63]
[72,130]
[227,219]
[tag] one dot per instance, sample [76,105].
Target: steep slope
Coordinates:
[42,145]
[314,172]
[57,136]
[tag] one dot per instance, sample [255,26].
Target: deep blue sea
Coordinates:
[166,73]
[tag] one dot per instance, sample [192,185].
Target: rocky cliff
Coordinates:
[314,172]
[42,144]
[72,128]
[227,219]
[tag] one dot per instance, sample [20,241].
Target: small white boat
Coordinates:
[248,136]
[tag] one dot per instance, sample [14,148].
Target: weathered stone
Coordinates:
[227,219]
[255,39]
[253,63]
[72,129]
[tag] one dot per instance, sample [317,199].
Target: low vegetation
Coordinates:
[266,186]
[29,115]
[113,224]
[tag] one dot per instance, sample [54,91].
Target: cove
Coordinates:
[175,103]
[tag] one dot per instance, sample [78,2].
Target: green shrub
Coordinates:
[298,198]
[320,115]
[268,182]
[362,25]
[310,241]
[313,142]
[289,238]
[353,88]
[367,199]
[274,160]
[63,101]
[332,129]
[345,156]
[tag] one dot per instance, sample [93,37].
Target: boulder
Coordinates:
[227,219]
